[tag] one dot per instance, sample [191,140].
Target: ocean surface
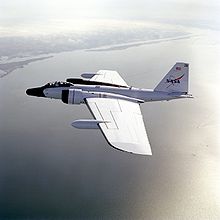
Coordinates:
[50,170]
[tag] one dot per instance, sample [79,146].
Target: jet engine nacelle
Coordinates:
[73,96]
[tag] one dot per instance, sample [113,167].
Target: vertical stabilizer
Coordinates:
[176,80]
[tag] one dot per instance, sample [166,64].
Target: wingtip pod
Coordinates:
[87,123]
[88,75]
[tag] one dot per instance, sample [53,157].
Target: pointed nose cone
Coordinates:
[35,92]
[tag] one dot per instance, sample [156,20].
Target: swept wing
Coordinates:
[123,125]
[108,76]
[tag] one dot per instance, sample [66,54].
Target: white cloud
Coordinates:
[42,15]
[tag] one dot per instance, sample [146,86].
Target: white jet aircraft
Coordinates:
[114,105]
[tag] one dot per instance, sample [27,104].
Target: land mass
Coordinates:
[11,66]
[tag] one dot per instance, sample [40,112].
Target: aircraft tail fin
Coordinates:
[176,80]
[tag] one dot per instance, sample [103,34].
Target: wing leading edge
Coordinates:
[124,126]
[108,76]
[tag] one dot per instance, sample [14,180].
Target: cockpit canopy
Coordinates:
[58,84]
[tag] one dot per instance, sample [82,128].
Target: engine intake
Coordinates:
[72,96]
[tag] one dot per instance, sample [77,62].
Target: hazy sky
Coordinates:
[18,12]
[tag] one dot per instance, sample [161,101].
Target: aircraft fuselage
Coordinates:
[146,95]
